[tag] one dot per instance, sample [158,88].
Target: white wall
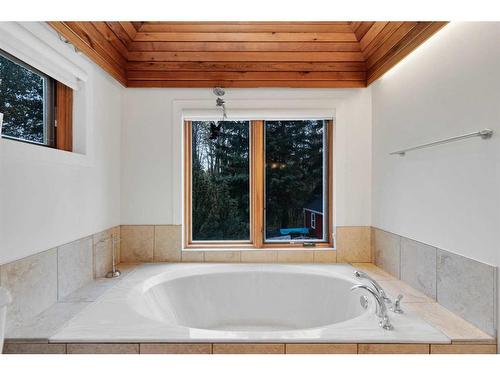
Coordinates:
[151,166]
[447,196]
[50,197]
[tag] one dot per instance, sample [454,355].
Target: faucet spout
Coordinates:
[376,285]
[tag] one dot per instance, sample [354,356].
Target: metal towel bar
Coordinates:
[484,134]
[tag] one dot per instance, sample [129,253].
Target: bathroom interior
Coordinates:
[257,187]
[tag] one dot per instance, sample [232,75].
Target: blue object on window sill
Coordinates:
[286,231]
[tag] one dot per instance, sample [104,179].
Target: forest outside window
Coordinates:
[36,108]
[258,184]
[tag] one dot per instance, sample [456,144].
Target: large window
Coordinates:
[258,184]
[36,108]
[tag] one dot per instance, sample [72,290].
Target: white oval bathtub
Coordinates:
[212,303]
[250,298]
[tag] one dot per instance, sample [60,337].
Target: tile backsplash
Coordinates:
[163,243]
[466,287]
[40,280]
[32,281]
[418,266]
[387,251]
[75,266]
[462,285]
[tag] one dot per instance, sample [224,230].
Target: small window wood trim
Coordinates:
[257,193]
[64,117]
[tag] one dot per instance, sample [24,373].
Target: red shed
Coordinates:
[313,217]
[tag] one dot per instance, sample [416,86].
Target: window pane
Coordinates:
[21,102]
[220,180]
[296,185]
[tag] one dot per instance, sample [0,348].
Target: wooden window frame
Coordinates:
[58,110]
[64,117]
[257,193]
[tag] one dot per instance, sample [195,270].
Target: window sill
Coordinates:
[196,250]
[29,153]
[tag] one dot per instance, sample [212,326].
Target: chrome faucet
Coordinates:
[381,309]
[376,285]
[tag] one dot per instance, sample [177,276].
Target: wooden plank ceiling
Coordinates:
[246,54]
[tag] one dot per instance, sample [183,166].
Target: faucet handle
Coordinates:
[396,306]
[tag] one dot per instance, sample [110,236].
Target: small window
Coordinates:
[36,108]
[258,184]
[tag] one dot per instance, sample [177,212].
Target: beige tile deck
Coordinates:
[456,328]
[463,349]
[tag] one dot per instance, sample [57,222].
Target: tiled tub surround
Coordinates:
[38,312]
[461,335]
[163,243]
[239,303]
[462,285]
[39,281]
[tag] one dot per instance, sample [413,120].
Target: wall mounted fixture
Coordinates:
[484,134]
[219,102]
[114,240]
